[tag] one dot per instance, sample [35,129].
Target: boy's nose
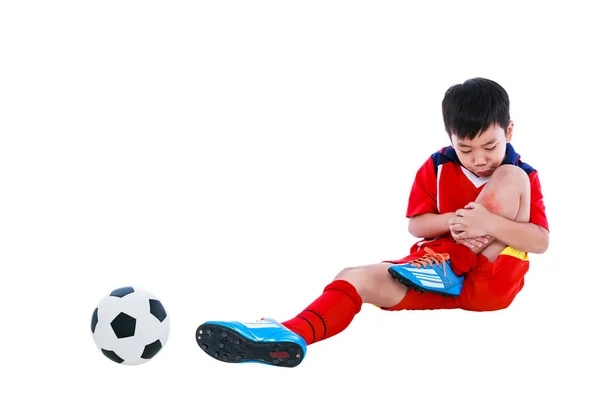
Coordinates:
[479,161]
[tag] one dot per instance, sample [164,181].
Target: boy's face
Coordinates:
[486,152]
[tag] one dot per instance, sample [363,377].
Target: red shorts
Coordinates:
[487,286]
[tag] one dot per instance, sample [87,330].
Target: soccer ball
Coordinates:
[130,326]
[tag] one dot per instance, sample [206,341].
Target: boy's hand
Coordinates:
[470,222]
[472,243]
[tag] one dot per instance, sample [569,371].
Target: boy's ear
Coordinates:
[509,131]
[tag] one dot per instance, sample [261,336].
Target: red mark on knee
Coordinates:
[490,202]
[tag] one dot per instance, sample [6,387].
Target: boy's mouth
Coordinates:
[484,173]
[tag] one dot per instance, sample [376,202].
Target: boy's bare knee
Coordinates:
[374,284]
[346,272]
[507,189]
[354,276]
[510,174]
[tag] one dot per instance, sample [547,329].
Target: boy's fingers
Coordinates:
[465,243]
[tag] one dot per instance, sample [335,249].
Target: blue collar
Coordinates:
[512,157]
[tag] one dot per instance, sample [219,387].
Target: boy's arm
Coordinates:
[476,220]
[524,236]
[429,225]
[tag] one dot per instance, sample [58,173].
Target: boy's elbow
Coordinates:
[543,246]
[543,243]
[413,227]
[540,249]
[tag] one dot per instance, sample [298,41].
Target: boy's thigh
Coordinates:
[487,287]
[494,285]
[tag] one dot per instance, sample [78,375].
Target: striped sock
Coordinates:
[330,314]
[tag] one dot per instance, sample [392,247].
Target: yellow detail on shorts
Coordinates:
[509,251]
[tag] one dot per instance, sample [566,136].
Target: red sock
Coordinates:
[330,314]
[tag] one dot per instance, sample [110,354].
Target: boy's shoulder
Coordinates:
[444,155]
[448,155]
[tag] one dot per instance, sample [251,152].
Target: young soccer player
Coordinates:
[477,208]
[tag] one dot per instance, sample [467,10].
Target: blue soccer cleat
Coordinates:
[430,273]
[265,341]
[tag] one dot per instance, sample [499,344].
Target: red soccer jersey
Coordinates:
[443,185]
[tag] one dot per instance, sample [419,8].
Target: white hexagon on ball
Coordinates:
[130,325]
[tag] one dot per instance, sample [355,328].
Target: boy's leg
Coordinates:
[507,194]
[341,300]
[487,287]
[425,300]
[499,276]
[284,344]
[493,286]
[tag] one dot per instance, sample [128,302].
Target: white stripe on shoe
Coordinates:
[421,270]
[427,277]
[431,284]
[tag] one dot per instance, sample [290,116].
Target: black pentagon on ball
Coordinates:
[151,350]
[111,355]
[94,320]
[123,325]
[121,292]
[157,309]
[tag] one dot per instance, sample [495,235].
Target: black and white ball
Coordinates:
[130,326]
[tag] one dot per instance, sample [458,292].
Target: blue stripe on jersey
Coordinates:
[448,154]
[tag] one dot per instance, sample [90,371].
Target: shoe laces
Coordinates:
[430,259]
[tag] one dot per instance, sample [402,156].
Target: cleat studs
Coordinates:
[276,361]
[298,355]
[204,347]
[221,345]
[199,331]
[224,334]
[216,354]
[209,331]
[237,341]
[238,358]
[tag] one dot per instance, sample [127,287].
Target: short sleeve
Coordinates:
[537,212]
[423,194]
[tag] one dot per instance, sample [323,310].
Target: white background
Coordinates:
[233,156]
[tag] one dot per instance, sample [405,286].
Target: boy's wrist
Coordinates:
[495,224]
[447,217]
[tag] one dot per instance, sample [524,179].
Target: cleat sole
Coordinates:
[227,345]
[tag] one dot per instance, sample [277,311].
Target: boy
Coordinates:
[480,211]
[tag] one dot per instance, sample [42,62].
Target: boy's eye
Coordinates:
[491,148]
[465,151]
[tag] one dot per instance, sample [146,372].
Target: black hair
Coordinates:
[473,106]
